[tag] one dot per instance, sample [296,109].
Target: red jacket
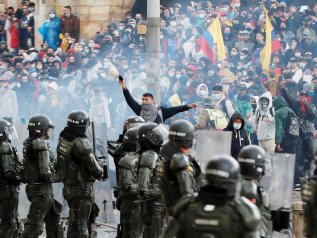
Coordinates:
[14,33]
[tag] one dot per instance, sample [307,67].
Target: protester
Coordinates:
[50,30]
[239,134]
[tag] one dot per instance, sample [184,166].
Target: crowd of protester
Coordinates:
[70,71]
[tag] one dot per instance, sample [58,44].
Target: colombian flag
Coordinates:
[211,42]
[272,44]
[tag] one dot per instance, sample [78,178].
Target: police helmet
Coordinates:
[133,121]
[7,131]
[252,161]
[39,124]
[152,132]
[223,172]
[181,134]
[78,118]
[131,136]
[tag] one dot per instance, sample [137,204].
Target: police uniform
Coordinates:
[252,162]
[38,171]
[128,184]
[10,178]
[130,210]
[151,137]
[179,174]
[78,169]
[217,211]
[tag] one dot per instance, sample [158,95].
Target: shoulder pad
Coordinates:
[249,189]
[39,144]
[148,159]
[179,161]
[82,145]
[264,197]
[182,203]
[128,161]
[249,213]
[5,148]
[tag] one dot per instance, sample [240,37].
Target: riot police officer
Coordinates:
[10,178]
[38,172]
[309,196]
[218,210]
[128,187]
[252,163]
[179,172]
[151,137]
[78,169]
[119,152]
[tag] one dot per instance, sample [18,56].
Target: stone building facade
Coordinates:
[94,14]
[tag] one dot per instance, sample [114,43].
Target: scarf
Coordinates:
[303,106]
[149,112]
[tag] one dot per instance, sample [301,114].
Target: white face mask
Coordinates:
[302,65]
[216,96]
[202,92]
[236,126]
[173,23]
[297,54]
[171,74]
[178,76]
[52,15]
[34,74]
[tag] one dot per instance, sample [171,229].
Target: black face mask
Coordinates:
[107,42]
[189,74]
[18,70]
[251,74]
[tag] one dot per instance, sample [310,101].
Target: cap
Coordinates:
[303,92]
[244,33]
[308,53]
[293,59]
[242,87]
[308,87]
[303,8]
[217,87]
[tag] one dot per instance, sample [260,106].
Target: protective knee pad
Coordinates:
[32,230]
[79,215]
[8,230]
[55,231]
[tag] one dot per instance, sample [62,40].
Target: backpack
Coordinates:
[217,118]
[257,113]
[292,125]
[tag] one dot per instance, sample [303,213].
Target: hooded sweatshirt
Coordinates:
[198,97]
[265,121]
[239,137]
[281,117]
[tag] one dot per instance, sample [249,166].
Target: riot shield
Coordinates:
[281,181]
[103,192]
[209,143]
